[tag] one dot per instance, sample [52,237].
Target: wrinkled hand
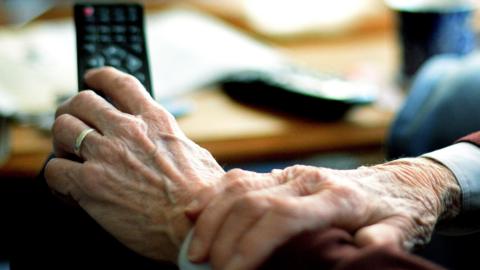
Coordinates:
[397,203]
[137,171]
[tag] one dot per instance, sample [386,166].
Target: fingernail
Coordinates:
[195,251]
[237,262]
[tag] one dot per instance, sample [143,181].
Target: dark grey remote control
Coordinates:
[111,35]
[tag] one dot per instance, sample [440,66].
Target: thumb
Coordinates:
[379,234]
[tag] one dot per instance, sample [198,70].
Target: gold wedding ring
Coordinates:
[79,140]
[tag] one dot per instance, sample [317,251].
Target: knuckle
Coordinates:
[295,171]
[166,116]
[307,185]
[84,97]
[125,81]
[234,174]
[164,119]
[297,168]
[135,132]
[136,127]
[61,123]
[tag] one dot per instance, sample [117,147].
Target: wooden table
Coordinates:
[234,132]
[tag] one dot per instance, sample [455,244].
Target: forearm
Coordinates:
[429,175]
[463,159]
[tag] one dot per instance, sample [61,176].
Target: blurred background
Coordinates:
[193,45]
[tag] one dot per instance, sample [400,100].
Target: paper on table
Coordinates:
[187,50]
[37,64]
[290,18]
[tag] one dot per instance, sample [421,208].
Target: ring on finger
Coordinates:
[79,140]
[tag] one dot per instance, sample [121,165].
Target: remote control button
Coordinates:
[91,29]
[136,39]
[96,61]
[132,14]
[90,48]
[103,29]
[133,63]
[134,29]
[137,48]
[113,51]
[119,14]
[105,39]
[88,11]
[114,62]
[91,38]
[120,39]
[103,14]
[119,29]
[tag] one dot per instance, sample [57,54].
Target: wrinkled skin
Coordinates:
[396,204]
[137,172]
[146,183]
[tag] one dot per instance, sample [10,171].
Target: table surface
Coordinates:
[234,132]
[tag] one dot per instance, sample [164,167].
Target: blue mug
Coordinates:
[424,33]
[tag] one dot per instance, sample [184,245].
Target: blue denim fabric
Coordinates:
[443,105]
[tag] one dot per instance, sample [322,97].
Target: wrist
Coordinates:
[427,174]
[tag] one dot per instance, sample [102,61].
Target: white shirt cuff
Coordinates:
[463,159]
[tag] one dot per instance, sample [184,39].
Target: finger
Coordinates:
[127,93]
[243,215]
[233,182]
[276,180]
[65,131]
[206,226]
[91,109]
[236,182]
[289,218]
[61,174]
[379,234]
[270,232]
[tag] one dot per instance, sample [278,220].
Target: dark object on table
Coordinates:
[298,92]
[4,139]
[426,33]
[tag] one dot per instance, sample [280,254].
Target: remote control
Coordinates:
[111,35]
[298,91]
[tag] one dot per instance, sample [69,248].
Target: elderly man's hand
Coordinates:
[136,172]
[396,203]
